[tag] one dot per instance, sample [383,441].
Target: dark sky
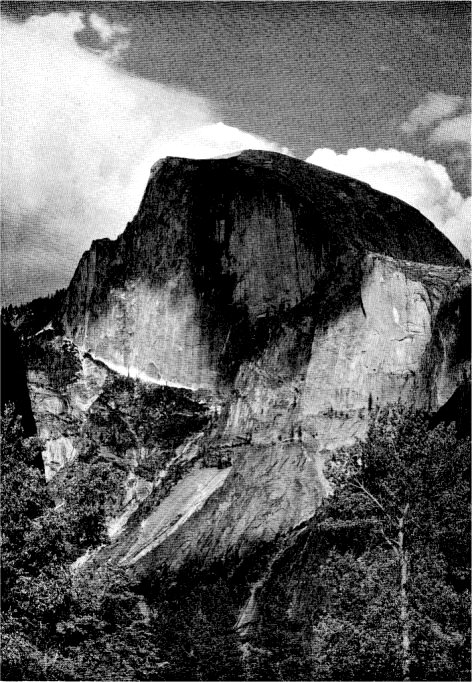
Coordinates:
[306,75]
[336,75]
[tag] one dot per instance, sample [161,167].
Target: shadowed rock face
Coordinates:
[301,298]
[457,410]
[218,246]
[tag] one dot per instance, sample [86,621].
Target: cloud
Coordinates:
[105,29]
[422,183]
[111,35]
[79,136]
[434,107]
[213,140]
[452,130]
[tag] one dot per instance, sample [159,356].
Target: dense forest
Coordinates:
[374,587]
[29,318]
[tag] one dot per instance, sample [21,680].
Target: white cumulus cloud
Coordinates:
[452,130]
[434,107]
[112,35]
[106,30]
[79,136]
[217,139]
[422,183]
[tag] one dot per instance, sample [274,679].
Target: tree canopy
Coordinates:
[383,581]
[393,566]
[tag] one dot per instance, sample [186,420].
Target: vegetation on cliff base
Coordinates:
[28,318]
[55,622]
[376,587]
[390,579]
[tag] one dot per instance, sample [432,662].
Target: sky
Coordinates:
[94,93]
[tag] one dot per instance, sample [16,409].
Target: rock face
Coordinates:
[61,412]
[281,422]
[97,414]
[220,247]
[299,300]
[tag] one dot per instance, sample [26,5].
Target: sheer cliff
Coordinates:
[219,248]
[297,300]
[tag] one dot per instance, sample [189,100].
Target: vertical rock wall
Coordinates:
[301,299]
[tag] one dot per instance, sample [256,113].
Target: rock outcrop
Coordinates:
[62,411]
[298,300]
[98,414]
